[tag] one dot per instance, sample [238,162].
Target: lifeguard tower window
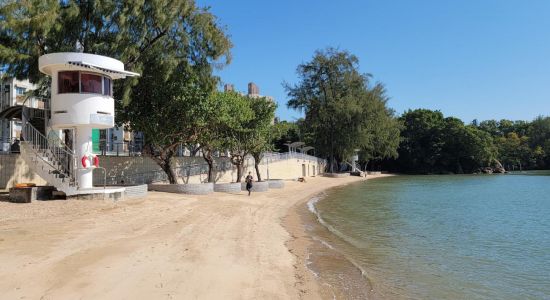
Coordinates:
[68,82]
[79,82]
[106,86]
[90,83]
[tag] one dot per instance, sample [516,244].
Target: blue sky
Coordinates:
[473,59]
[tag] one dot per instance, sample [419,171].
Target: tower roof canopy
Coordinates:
[75,61]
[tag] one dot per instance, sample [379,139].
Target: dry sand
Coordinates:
[165,246]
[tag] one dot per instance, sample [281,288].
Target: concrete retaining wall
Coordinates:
[135,191]
[231,187]
[258,186]
[190,188]
[276,183]
[143,170]
[137,170]
[13,170]
[336,175]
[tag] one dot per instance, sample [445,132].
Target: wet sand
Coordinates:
[165,246]
[319,256]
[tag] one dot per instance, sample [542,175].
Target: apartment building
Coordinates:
[13,92]
[253,92]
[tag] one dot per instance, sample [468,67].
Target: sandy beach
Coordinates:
[165,246]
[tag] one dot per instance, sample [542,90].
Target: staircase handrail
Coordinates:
[33,131]
[63,154]
[354,168]
[49,129]
[43,113]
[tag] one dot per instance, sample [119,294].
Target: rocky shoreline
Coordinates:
[496,168]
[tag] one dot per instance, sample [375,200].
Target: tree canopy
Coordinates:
[432,143]
[521,144]
[251,137]
[343,112]
[130,31]
[174,44]
[228,116]
[260,125]
[285,132]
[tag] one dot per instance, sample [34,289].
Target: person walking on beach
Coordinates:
[248,181]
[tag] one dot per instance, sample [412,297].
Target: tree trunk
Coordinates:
[169,171]
[164,160]
[239,172]
[195,150]
[210,161]
[331,152]
[257,161]
[257,166]
[238,160]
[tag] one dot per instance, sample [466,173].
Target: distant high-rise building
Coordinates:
[253,92]
[228,88]
[253,89]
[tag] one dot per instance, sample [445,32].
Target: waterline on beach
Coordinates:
[330,266]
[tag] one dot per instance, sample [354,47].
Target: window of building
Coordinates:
[19,91]
[103,134]
[106,86]
[90,83]
[67,82]
[81,82]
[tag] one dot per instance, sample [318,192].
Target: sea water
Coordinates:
[438,237]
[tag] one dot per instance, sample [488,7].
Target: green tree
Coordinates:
[127,30]
[380,129]
[251,137]
[283,133]
[514,150]
[174,44]
[337,102]
[170,116]
[434,144]
[422,143]
[492,127]
[228,112]
[264,113]
[539,131]
[478,149]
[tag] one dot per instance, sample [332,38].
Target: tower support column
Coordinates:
[83,146]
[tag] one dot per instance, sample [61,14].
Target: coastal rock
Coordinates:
[498,168]
[487,170]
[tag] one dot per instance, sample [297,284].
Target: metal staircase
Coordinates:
[49,157]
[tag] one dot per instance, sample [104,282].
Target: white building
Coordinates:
[111,141]
[12,93]
[81,101]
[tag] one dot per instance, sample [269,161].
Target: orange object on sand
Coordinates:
[21,185]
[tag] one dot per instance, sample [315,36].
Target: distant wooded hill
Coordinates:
[432,143]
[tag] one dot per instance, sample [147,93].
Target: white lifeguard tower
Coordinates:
[81,100]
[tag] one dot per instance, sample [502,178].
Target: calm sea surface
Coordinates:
[446,237]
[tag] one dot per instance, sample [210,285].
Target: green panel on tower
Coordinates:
[95,141]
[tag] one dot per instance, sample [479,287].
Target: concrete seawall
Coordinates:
[137,170]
